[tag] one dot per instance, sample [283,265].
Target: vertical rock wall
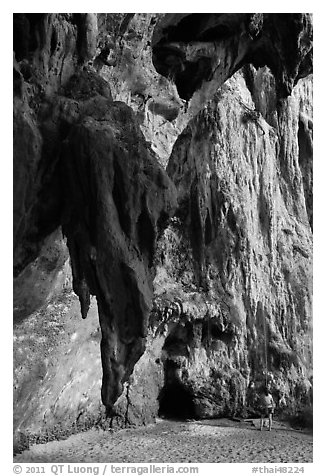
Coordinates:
[238,253]
[233,281]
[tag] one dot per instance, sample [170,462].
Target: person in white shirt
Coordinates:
[267,408]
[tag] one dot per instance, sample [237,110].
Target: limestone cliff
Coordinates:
[233,282]
[238,254]
[201,271]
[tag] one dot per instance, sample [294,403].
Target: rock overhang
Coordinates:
[195,48]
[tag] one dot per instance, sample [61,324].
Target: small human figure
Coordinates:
[282,401]
[267,408]
[252,399]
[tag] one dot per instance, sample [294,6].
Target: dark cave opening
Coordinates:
[176,401]
[200,27]
[213,332]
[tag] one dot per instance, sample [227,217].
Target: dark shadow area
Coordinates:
[120,199]
[175,399]
[176,402]
[212,332]
[146,235]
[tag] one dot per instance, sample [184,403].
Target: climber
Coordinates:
[267,408]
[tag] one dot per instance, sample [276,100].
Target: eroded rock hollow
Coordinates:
[162,165]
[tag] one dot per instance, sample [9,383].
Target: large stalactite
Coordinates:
[118,196]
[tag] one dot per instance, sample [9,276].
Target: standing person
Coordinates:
[267,408]
[252,399]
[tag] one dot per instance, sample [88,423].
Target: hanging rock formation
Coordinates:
[118,197]
[196,49]
[202,271]
[106,189]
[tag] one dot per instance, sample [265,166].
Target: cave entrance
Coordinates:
[175,400]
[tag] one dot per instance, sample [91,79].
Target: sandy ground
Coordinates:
[214,441]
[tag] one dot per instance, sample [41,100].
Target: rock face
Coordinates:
[233,296]
[69,128]
[201,272]
[126,63]
[238,254]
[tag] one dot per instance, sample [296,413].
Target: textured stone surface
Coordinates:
[237,255]
[208,48]
[116,203]
[57,376]
[43,279]
[233,296]
[45,47]
[125,61]
[234,263]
